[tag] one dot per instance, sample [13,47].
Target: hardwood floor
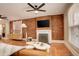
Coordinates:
[57,49]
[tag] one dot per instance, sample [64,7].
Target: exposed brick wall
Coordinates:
[56,25]
[31,27]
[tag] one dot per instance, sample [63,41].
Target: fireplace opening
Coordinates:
[43,38]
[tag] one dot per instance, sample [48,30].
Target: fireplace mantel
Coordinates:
[45,32]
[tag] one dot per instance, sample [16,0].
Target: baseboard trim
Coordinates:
[71,49]
[57,41]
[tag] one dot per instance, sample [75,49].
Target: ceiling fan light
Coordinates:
[36,11]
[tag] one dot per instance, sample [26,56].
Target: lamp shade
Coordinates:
[24,25]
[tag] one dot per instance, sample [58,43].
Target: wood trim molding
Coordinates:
[71,49]
[57,41]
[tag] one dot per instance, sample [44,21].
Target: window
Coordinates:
[17,27]
[0,29]
[74,30]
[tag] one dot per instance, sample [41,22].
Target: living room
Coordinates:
[46,29]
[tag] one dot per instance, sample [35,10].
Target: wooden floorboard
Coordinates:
[59,49]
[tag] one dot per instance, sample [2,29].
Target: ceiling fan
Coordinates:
[1,17]
[36,8]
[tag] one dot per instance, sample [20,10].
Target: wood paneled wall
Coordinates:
[56,25]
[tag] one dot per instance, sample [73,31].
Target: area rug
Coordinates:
[7,50]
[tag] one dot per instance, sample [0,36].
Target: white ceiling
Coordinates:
[15,11]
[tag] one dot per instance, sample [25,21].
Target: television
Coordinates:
[42,23]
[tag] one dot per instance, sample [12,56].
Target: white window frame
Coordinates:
[74,40]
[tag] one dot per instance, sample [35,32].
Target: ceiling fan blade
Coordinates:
[31,5]
[42,10]
[0,16]
[29,10]
[41,6]
[4,17]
